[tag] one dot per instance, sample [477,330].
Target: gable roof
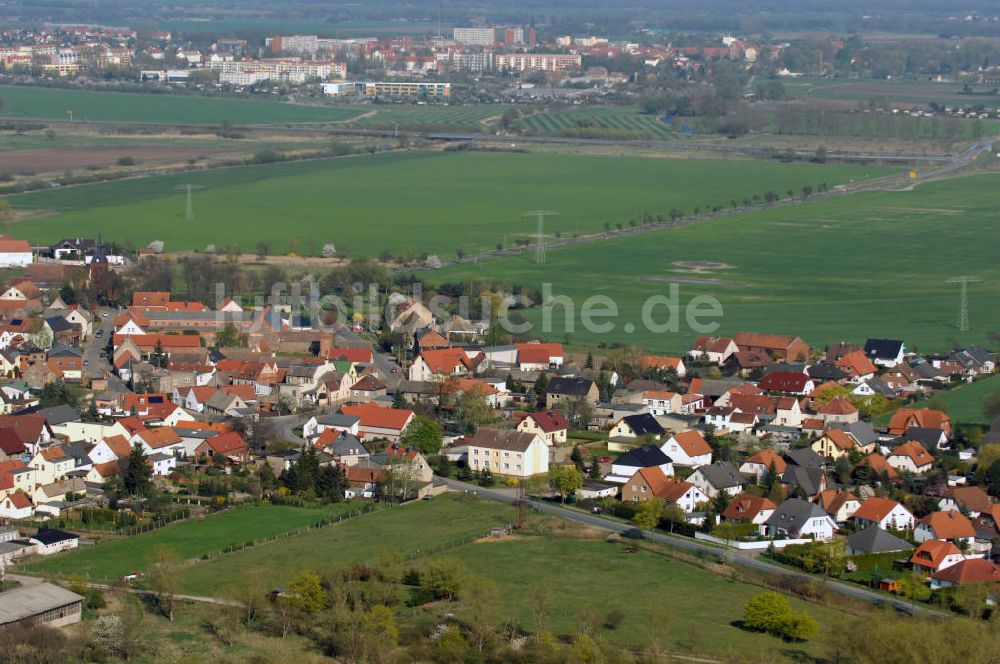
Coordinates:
[880,465]
[948,525]
[876,540]
[538,353]
[933,552]
[372,415]
[767,458]
[10,443]
[784,381]
[970,570]
[721,475]
[643,424]
[804,456]
[227,443]
[549,421]
[883,349]
[643,457]
[971,498]
[746,506]
[496,439]
[856,363]
[876,509]
[159,437]
[915,451]
[904,418]
[838,406]
[792,514]
[693,443]
[570,386]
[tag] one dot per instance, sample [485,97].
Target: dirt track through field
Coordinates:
[26,162]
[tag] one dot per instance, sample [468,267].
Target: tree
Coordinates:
[423,434]
[164,577]
[56,393]
[135,473]
[991,405]
[566,480]
[541,388]
[576,456]
[988,455]
[821,154]
[305,595]
[992,479]
[648,512]
[158,358]
[595,467]
[472,409]
[589,364]
[230,337]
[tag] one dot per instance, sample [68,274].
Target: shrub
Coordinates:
[770,612]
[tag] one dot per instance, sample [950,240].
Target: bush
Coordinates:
[770,612]
[126,161]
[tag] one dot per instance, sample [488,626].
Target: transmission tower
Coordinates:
[963,309]
[540,235]
[189,208]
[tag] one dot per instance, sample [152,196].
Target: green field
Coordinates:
[900,91]
[597,121]
[691,609]
[473,118]
[190,539]
[865,265]
[53,103]
[407,529]
[438,202]
[965,402]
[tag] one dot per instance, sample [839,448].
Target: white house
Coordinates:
[885,513]
[508,453]
[688,448]
[647,456]
[317,424]
[797,518]
[49,540]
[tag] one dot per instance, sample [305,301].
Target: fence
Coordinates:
[750,546]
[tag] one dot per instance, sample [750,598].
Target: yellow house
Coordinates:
[834,444]
[550,425]
[511,453]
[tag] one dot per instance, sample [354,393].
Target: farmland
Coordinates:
[437,202]
[53,103]
[827,270]
[902,91]
[598,122]
[965,402]
[189,539]
[473,118]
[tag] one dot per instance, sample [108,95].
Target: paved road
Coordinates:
[284,425]
[95,366]
[383,361]
[692,546]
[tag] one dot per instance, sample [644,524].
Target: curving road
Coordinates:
[693,546]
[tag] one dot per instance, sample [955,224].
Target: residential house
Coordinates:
[662,402]
[935,555]
[651,482]
[629,463]
[550,425]
[110,449]
[716,478]
[762,464]
[834,444]
[858,367]
[911,457]
[51,464]
[345,448]
[749,508]
[438,364]
[378,422]
[230,445]
[968,571]
[885,352]
[158,439]
[688,448]
[838,411]
[665,364]
[565,389]
[638,426]
[951,525]
[16,505]
[905,418]
[799,519]
[317,424]
[841,504]
[714,350]
[971,500]
[363,481]
[787,382]
[884,513]
[875,540]
[49,540]
[508,453]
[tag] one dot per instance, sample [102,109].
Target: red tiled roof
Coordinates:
[351,354]
[970,570]
[875,509]
[550,421]
[227,443]
[767,458]
[784,381]
[915,451]
[693,443]
[746,506]
[538,353]
[949,525]
[19,500]
[372,415]
[9,245]
[932,553]
[838,406]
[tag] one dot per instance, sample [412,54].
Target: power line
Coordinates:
[189,208]
[963,308]
[540,235]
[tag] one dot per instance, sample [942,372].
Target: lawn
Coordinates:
[965,402]
[407,529]
[189,539]
[692,609]
[865,265]
[53,103]
[437,202]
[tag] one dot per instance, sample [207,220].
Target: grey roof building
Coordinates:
[875,540]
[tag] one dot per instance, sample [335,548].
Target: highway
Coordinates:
[741,559]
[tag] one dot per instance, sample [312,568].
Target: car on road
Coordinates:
[86,362]
[100,333]
[605,459]
[104,314]
[395,370]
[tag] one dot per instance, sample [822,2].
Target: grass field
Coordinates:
[867,265]
[437,202]
[620,122]
[691,609]
[405,529]
[965,403]
[901,91]
[429,118]
[52,103]
[189,539]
